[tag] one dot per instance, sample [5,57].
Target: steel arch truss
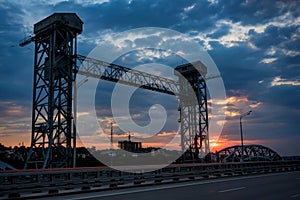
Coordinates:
[250,153]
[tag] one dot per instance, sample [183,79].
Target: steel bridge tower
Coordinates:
[53,139]
[190,88]
[54,74]
[193,110]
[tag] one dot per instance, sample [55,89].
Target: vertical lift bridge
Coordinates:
[55,69]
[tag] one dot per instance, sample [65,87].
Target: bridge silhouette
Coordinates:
[56,65]
[53,139]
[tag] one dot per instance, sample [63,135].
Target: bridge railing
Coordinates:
[53,180]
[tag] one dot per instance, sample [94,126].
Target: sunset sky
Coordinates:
[255,45]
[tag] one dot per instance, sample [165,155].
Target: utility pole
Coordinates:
[111,135]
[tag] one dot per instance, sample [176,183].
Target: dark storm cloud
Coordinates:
[223,30]
[201,17]
[283,95]
[15,72]
[139,13]
[274,35]
[239,66]
[254,11]
[122,15]
[288,66]
[242,66]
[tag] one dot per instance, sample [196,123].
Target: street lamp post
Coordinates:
[76,86]
[241,129]
[111,135]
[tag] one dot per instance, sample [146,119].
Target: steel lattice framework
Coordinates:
[55,69]
[193,110]
[251,153]
[54,74]
[191,90]
[111,72]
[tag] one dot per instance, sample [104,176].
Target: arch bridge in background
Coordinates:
[252,152]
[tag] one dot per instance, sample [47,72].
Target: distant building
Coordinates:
[129,145]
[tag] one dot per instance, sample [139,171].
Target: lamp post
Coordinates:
[76,86]
[241,129]
[111,135]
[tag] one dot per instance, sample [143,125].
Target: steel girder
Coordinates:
[193,112]
[251,153]
[111,72]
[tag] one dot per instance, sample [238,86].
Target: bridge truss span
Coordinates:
[111,72]
[53,137]
[190,89]
[250,153]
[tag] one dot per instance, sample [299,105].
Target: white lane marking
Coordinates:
[232,189]
[295,196]
[160,187]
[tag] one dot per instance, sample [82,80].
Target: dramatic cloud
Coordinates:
[255,45]
[279,81]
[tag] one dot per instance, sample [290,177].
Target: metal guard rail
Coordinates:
[14,181]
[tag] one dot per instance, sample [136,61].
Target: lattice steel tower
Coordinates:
[193,110]
[54,74]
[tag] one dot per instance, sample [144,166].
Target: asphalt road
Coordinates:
[267,187]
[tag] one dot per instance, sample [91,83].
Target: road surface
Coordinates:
[266,187]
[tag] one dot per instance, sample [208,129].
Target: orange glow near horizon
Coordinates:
[16,125]
[215,146]
[223,143]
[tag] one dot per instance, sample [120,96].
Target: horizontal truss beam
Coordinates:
[111,72]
